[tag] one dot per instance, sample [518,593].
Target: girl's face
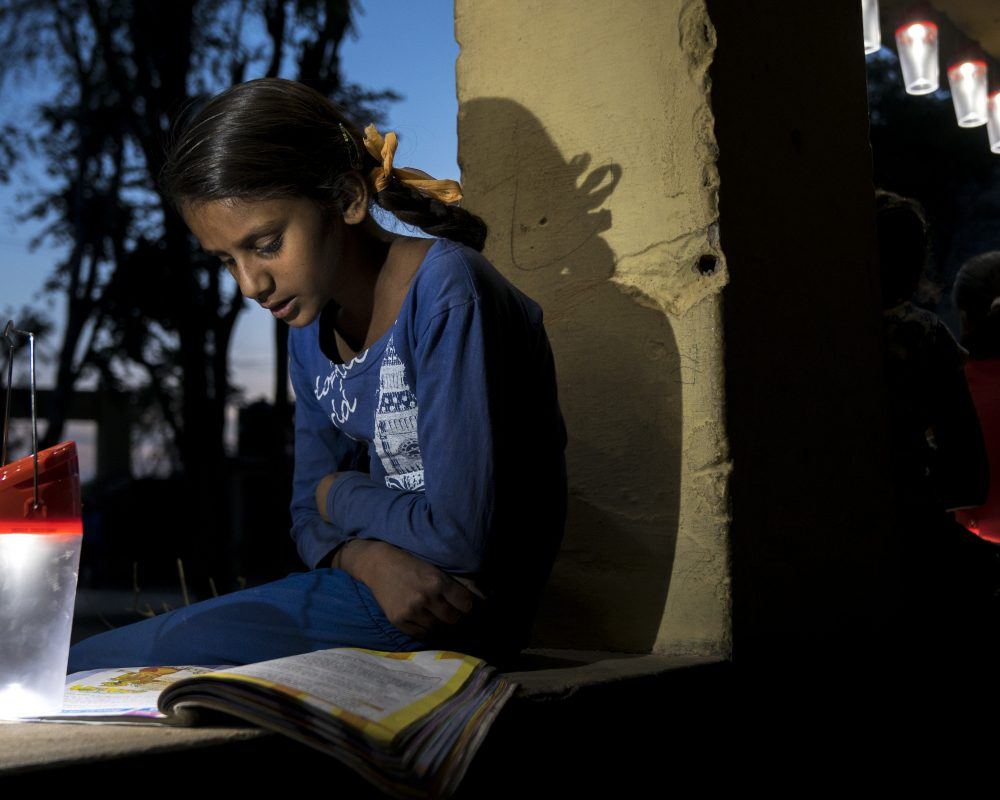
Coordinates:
[277,250]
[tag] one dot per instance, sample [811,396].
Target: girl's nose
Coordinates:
[252,286]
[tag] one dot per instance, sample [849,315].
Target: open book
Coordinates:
[409,722]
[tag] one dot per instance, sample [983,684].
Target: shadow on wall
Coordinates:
[619,371]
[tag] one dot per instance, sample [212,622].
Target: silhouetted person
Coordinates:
[976,295]
[938,454]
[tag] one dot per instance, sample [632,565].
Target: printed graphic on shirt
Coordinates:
[396,425]
[341,407]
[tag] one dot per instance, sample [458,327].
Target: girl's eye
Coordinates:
[266,251]
[271,249]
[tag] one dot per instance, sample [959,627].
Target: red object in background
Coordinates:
[58,493]
[983,376]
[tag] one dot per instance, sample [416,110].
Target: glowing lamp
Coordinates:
[968,92]
[993,121]
[917,45]
[869,25]
[41,531]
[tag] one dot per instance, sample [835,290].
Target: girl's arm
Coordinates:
[319,446]
[415,596]
[448,523]
[349,558]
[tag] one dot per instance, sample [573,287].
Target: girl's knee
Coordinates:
[128,645]
[95,652]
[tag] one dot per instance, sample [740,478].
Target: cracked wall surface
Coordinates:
[586,143]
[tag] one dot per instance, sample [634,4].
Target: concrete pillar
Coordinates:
[585,141]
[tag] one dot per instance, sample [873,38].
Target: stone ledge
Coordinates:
[548,674]
[26,746]
[556,674]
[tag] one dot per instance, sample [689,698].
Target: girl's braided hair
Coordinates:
[273,138]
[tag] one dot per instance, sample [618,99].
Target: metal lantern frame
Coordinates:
[7,337]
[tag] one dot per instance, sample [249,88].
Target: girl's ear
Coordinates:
[357,205]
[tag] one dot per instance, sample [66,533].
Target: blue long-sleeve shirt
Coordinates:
[449,430]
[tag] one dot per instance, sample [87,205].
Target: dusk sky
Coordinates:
[404,46]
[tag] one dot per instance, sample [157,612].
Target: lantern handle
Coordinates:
[9,340]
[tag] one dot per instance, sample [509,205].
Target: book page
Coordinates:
[122,690]
[368,683]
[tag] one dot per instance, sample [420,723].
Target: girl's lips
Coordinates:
[283,309]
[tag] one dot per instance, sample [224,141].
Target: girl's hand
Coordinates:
[416,596]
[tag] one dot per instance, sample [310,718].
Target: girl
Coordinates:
[429,487]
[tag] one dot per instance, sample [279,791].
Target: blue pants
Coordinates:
[302,612]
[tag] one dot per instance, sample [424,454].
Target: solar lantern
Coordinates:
[968,92]
[870,26]
[41,530]
[917,45]
[993,121]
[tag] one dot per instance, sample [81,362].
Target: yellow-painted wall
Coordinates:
[586,142]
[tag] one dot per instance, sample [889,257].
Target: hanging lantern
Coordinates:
[917,44]
[968,92]
[869,25]
[993,121]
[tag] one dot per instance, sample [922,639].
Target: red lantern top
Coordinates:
[977,66]
[926,23]
[60,507]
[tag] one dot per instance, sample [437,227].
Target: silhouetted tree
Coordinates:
[139,291]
